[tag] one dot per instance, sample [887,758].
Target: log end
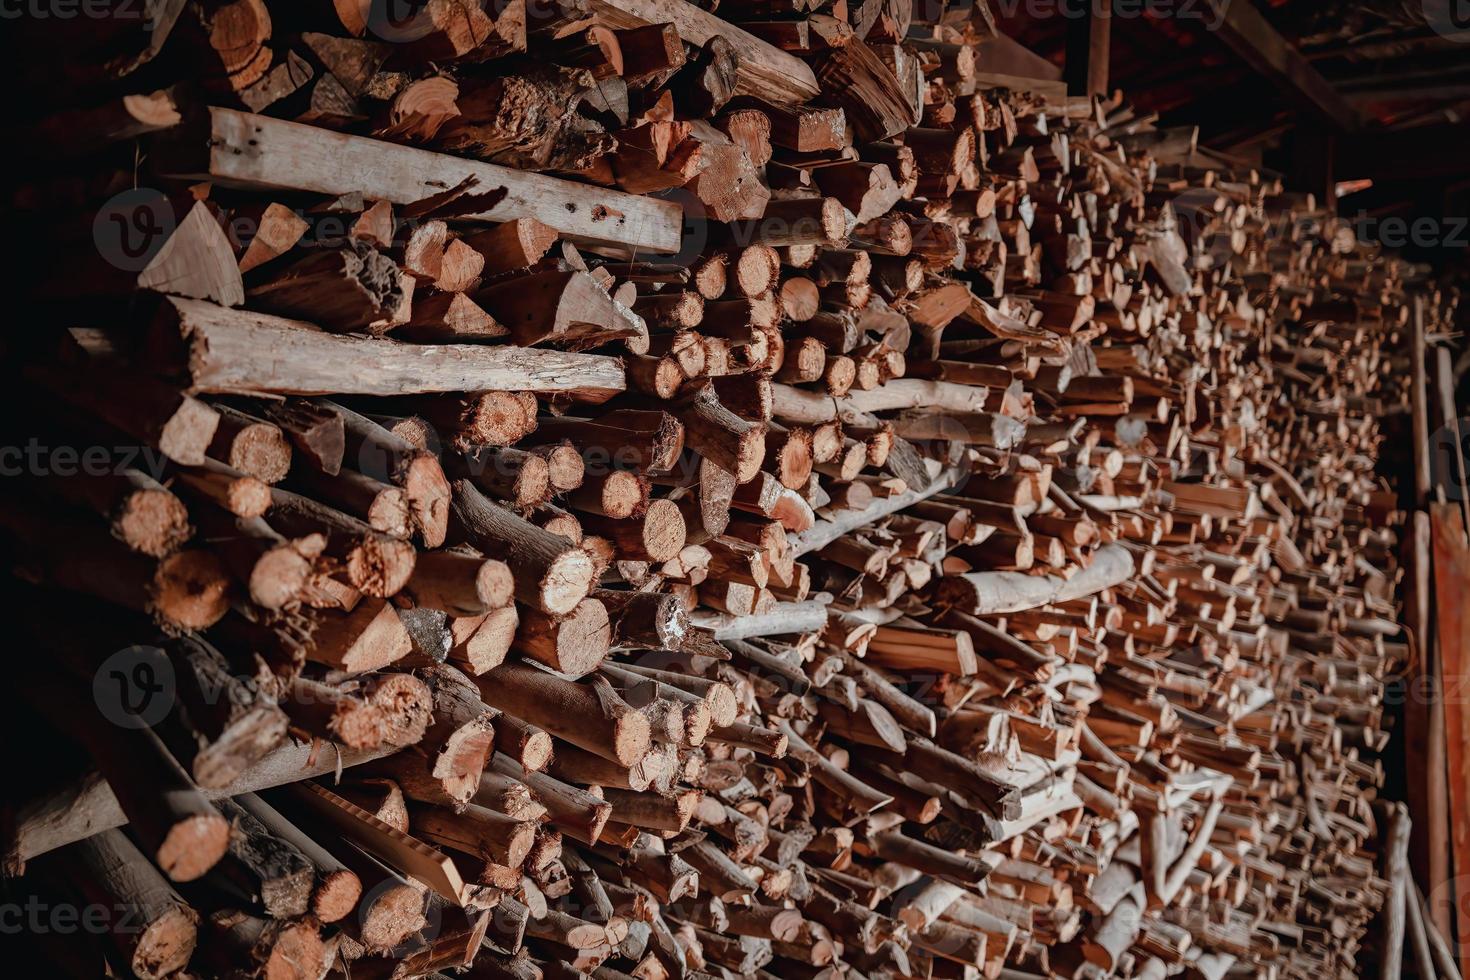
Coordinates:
[278,577]
[261,451]
[583,639]
[249,497]
[631,737]
[750,453]
[567,581]
[153,523]
[664,530]
[565,468]
[336,895]
[191,590]
[494,584]
[193,846]
[166,944]
[380,566]
[390,916]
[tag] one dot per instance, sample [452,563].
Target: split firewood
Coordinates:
[649,490]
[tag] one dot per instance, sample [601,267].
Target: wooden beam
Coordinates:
[244,150]
[1252,37]
[1451,583]
[1089,49]
[1312,147]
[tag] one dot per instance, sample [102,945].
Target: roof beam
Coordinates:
[1261,46]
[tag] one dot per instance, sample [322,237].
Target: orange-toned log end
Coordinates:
[380,566]
[567,580]
[428,498]
[624,494]
[494,584]
[879,444]
[533,482]
[336,895]
[697,721]
[583,639]
[566,525]
[487,647]
[711,277]
[153,523]
[804,360]
[278,577]
[631,737]
[261,451]
[750,453]
[407,707]
[662,376]
[391,916]
[757,270]
[193,846]
[390,513]
[565,467]
[297,952]
[929,811]
[834,219]
[518,847]
[827,442]
[664,530]
[800,298]
[249,497]
[461,761]
[839,375]
[357,725]
[536,750]
[794,460]
[166,944]
[191,590]
[500,418]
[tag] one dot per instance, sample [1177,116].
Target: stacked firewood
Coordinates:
[631,491]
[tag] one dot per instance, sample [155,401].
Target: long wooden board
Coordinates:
[1451,587]
[240,149]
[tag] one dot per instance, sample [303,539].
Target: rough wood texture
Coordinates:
[244,150]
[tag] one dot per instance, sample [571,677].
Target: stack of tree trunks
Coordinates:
[627,490]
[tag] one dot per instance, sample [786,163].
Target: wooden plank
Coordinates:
[1451,586]
[1261,46]
[388,844]
[239,352]
[1424,741]
[240,149]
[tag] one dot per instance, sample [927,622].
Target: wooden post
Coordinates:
[1419,393]
[1451,585]
[1089,46]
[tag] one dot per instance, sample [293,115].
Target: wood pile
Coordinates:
[629,490]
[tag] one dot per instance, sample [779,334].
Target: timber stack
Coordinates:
[622,489]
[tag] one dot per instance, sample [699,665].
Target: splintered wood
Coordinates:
[636,491]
